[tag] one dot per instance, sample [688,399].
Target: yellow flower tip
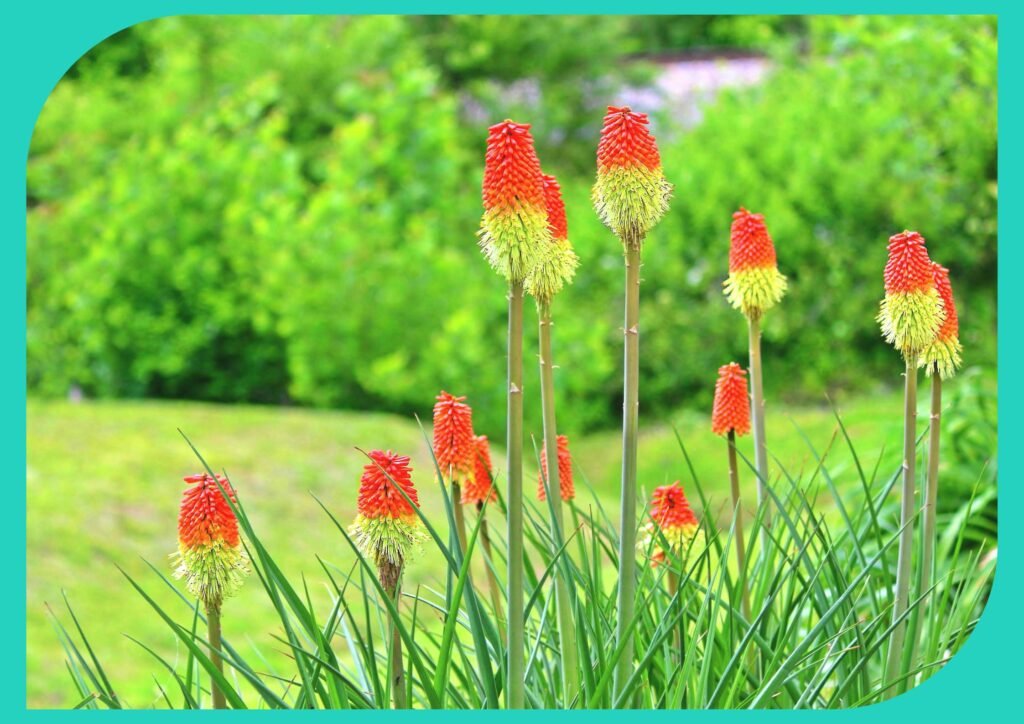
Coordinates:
[755,290]
[910,320]
[556,266]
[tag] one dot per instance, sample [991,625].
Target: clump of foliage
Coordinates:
[245,190]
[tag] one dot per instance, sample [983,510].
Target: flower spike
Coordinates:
[210,556]
[754,284]
[944,351]
[515,221]
[731,411]
[480,487]
[912,310]
[631,193]
[671,517]
[454,445]
[565,484]
[556,262]
[386,525]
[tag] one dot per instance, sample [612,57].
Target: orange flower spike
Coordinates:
[631,193]
[556,262]
[673,519]
[454,443]
[386,525]
[754,283]
[210,556]
[515,221]
[565,482]
[912,311]
[480,488]
[943,353]
[731,410]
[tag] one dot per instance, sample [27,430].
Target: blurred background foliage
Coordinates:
[283,209]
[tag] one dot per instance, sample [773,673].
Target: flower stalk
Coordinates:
[210,556]
[513,231]
[630,196]
[941,359]
[910,315]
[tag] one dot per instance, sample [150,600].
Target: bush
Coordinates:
[270,208]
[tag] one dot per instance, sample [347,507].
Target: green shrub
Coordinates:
[262,208]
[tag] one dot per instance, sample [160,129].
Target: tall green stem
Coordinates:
[460,516]
[390,575]
[931,496]
[213,634]
[630,428]
[906,543]
[516,643]
[757,420]
[566,626]
[734,486]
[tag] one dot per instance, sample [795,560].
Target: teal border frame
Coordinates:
[42,39]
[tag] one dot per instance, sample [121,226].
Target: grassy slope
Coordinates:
[104,483]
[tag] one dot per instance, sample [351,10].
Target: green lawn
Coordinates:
[104,481]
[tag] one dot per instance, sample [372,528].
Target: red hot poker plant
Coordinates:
[479,487]
[513,229]
[630,196]
[671,518]
[385,529]
[567,489]
[910,316]
[940,359]
[754,285]
[730,416]
[210,555]
[454,443]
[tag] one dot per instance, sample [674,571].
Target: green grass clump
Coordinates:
[311,629]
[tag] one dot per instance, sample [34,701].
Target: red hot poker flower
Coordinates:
[210,556]
[912,310]
[515,220]
[943,353]
[731,411]
[565,482]
[631,193]
[378,496]
[479,488]
[556,262]
[454,444]
[754,282]
[555,208]
[671,519]
[386,525]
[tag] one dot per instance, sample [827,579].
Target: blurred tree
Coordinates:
[268,208]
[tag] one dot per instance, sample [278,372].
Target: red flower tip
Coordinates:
[555,207]
[950,327]
[378,496]
[670,509]
[479,488]
[731,411]
[565,484]
[750,245]
[512,175]
[626,141]
[908,269]
[454,446]
[205,516]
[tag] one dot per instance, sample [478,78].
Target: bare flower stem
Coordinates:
[516,696]
[734,486]
[566,626]
[390,575]
[906,543]
[757,418]
[214,637]
[931,496]
[460,515]
[630,431]
[492,580]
